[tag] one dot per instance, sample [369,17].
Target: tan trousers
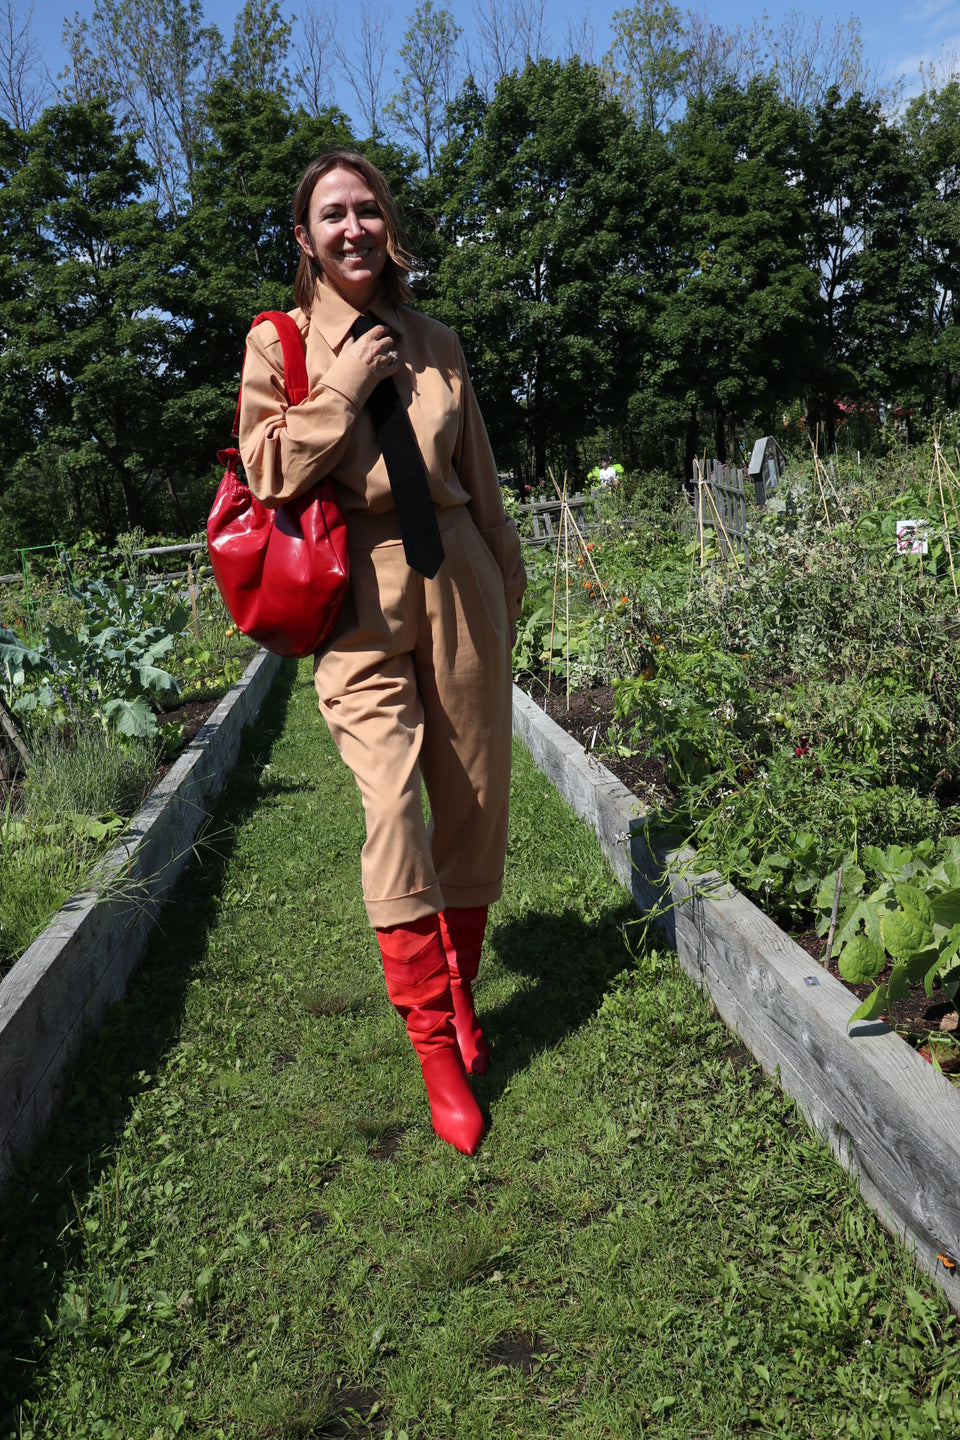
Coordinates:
[416,682]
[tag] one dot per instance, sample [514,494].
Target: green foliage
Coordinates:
[81,785]
[85,771]
[545,197]
[105,664]
[803,710]
[911,918]
[261,42]
[737,241]
[85,366]
[86,697]
[862,191]
[647,61]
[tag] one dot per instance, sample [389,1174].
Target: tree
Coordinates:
[261,42]
[85,356]
[862,192]
[427,79]
[932,132]
[734,337]
[314,48]
[509,33]
[24,80]
[545,197]
[714,56]
[581,41]
[646,61]
[153,61]
[807,60]
[362,67]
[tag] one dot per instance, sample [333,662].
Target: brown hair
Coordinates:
[396,287]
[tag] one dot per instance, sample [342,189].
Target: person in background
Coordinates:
[415,682]
[606,473]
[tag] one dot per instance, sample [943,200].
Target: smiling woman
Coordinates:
[415,679]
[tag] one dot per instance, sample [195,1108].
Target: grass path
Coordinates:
[242,1224]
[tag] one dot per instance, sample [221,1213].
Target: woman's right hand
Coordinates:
[377,349]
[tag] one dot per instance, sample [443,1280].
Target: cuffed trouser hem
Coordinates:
[402,909]
[465,896]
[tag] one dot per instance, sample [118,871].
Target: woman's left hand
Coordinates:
[377,349]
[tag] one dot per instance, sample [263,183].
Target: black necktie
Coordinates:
[417,518]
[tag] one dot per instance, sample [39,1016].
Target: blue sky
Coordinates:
[898,37]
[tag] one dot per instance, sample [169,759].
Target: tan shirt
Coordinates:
[286,449]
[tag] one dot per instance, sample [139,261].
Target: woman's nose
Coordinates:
[353,226]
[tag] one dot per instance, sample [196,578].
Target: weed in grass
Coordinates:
[375,1128]
[454,1259]
[377,1051]
[323,1000]
[296,1415]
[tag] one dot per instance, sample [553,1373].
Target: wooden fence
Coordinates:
[724,496]
[720,507]
[547,517]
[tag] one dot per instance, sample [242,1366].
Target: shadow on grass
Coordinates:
[38,1212]
[570,964]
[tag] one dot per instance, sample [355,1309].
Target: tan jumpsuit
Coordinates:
[416,679]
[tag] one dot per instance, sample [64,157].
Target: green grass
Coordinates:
[242,1225]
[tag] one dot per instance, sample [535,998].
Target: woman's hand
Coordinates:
[377,349]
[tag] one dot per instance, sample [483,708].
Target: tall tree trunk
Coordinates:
[690,447]
[177,509]
[720,434]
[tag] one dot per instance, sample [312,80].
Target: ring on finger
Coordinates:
[392,357]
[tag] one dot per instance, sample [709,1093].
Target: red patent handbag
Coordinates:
[282,572]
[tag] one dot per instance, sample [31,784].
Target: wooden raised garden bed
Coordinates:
[888,1116]
[58,990]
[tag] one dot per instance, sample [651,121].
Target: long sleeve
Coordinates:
[287,448]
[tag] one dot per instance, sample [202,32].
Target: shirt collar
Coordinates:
[335,317]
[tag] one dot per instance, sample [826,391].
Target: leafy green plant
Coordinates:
[106,665]
[209,673]
[909,920]
[697,711]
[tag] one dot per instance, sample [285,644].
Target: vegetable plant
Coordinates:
[908,917]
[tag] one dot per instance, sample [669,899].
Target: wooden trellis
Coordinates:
[547,517]
[720,505]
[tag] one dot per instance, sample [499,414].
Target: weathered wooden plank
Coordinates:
[887,1115]
[595,794]
[60,987]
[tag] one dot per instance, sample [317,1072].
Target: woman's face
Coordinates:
[346,234]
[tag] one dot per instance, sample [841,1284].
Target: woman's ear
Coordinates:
[302,237]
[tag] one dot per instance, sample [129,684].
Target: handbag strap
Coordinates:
[293,345]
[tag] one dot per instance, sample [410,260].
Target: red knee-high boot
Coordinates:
[462,928]
[418,983]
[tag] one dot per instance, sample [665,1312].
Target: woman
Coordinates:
[416,680]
